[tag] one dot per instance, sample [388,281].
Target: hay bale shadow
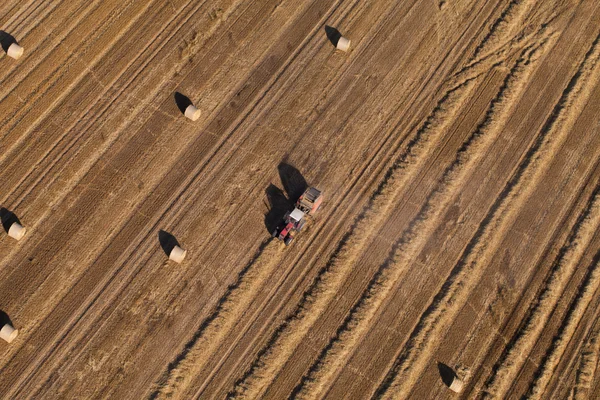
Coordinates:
[6,39]
[182,102]
[5,319]
[333,35]
[167,242]
[8,218]
[446,373]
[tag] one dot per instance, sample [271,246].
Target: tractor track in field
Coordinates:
[574,316]
[55,85]
[466,273]
[36,54]
[412,241]
[205,164]
[221,321]
[499,335]
[506,26]
[588,366]
[70,147]
[104,111]
[59,198]
[276,285]
[18,19]
[97,159]
[49,145]
[566,111]
[330,279]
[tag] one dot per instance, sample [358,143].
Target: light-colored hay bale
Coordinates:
[343,44]
[8,333]
[16,231]
[192,112]
[15,51]
[456,385]
[177,254]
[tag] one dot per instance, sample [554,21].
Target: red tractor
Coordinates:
[293,221]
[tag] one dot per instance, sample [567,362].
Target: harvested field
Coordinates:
[457,145]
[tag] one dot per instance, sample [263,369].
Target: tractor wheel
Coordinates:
[301,225]
[288,240]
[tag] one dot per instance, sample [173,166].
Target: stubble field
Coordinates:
[457,146]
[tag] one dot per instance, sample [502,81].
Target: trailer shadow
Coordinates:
[292,180]
[278,205]
[8,218]
[6,39]
[167,242]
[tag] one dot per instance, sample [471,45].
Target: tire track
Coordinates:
[13,15]
[188,16]
[221,322]
[505,328]
[158,217]
[489,327]
[244,354]
[359,321]
[588,366]
[78,75]
[104,111]
[28,189]
[467,272]
[11,26]
[292,331]
[560,124]
[259,307]
[21,76]
[195,156]
[505,27]
[575,314]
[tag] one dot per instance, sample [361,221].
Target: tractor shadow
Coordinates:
[333,35]
[281,201]
[167,242]
[278,206]
[6,39]
[8,218]
[182,102]
[446,373]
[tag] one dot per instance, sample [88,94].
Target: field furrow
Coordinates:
[566,111]
[454,142]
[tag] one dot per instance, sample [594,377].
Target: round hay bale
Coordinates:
[177,254]
[8,333]
[16,231]
[192,112]
[456,385]
[15,51]
[343,44]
